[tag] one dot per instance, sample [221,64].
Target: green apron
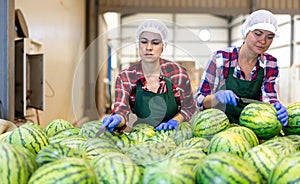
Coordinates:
[242,88]
[153,108]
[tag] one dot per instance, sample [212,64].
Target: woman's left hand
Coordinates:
[170,125]
[282,113]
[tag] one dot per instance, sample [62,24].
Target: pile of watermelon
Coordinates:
[208,149]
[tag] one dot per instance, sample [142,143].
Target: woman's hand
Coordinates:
[170,125]
[111,122]
[226,97]
[282,114]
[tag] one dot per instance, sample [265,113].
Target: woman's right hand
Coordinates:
[111,122]
[226,97]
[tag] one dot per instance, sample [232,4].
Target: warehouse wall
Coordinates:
[60,27]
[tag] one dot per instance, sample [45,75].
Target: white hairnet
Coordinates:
[154,26]
[260,19]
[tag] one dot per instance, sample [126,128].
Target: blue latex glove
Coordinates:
[281,113]
[111,122]
[226,97]
[170,125]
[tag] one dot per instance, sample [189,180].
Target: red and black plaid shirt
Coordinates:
[127,80]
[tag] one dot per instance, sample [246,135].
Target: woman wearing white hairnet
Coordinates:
[156,90]
[246,71]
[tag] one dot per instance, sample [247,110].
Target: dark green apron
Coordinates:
[242,88]
[153,108]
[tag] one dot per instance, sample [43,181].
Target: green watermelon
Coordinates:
[223,167]
[30,136]
[263,158]
[17,164]
[283,144]
[190,156]
[199,143]
[54,152]
[261,119]
[293,126]
[170,170]
[208,122]
[67,170]
[57,125]
[145,153]
[89,129]
[184,132]
[95,147]
[247,133]
[115,168]
[286,170]
[228,141]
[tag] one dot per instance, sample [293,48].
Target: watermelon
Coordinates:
[261,119]
[293,126]
[223,167]
[286,170]
[95,147]
[170,170]
[89,129]
[208,122]
[283,144]
[145,153]
[184,132]
[67,170]
[115,168]
[17,164]
[67,132]
[263,158]
[190,156]
[228,141]
[30,136]
[57,125]
[199,143]
[54,152]
[247,133]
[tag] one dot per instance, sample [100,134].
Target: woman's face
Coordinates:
[259,40]
[150,46]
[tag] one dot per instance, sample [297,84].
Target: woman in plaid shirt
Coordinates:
[156,90]
[246,71]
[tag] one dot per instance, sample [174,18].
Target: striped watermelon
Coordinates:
[115,168]
[17,164]
[54,152]
[263,158]
[145,153]
[89,129]
[228,141]
[208,122]
[95,147]
[67,170]
[293,126]
[68,132]
[283,144]
[57,125]
[170,170]
[184,132]
[247,133]
[199,143]
[286,170]
[30,136]
[223,167]
[190,156]
[262,119]
[71,142]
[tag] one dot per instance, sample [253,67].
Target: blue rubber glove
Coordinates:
[170,125]
[281,113]
[111,122]
[226,97]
